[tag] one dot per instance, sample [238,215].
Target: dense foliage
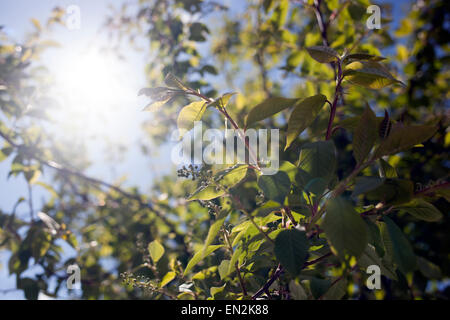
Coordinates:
[363,118]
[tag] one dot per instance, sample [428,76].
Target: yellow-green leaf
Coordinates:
[207,193]
[189,114]
[369,74]
[156,250]
[199,256]
[167,278]
[223,268]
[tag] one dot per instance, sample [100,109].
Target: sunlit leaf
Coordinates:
[369,74]
[189,114]
[199,256]
[207,193]
[215,228]
[223,268]
[386,170]
[156,250]
[167,278]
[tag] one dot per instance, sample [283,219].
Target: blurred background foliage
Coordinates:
[257,51]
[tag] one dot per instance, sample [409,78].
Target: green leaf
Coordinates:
[267,208]
[345,229]
[375,237]
[384,127]
[429,269]
[369,74]
[223,269]
[189,114]
[370,257]
[296,291]
[319,287]
[222,101]
[215,228]
[167,278]
[268,108]
[289,168]
[362,56]
[387,242]
[172,81]
[364,135]
[403,138]
[291,249]
[156,250]
[316,186]
[230,177]
[422,210]
[235,259]
[323,54]
[392,191]
[275,187]
[224,180]
[337,290]
[303,115]
[403,253]
[386,170]
[318,159]
[197,32]
[214,291]
[356,10]
[366,184]
[207,193]
[199,256]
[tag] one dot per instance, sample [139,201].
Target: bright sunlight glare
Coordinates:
[93,92]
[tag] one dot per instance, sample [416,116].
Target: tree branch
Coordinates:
[67,171]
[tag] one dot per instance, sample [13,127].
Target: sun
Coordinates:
[91,88]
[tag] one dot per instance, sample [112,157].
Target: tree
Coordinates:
[357,146]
